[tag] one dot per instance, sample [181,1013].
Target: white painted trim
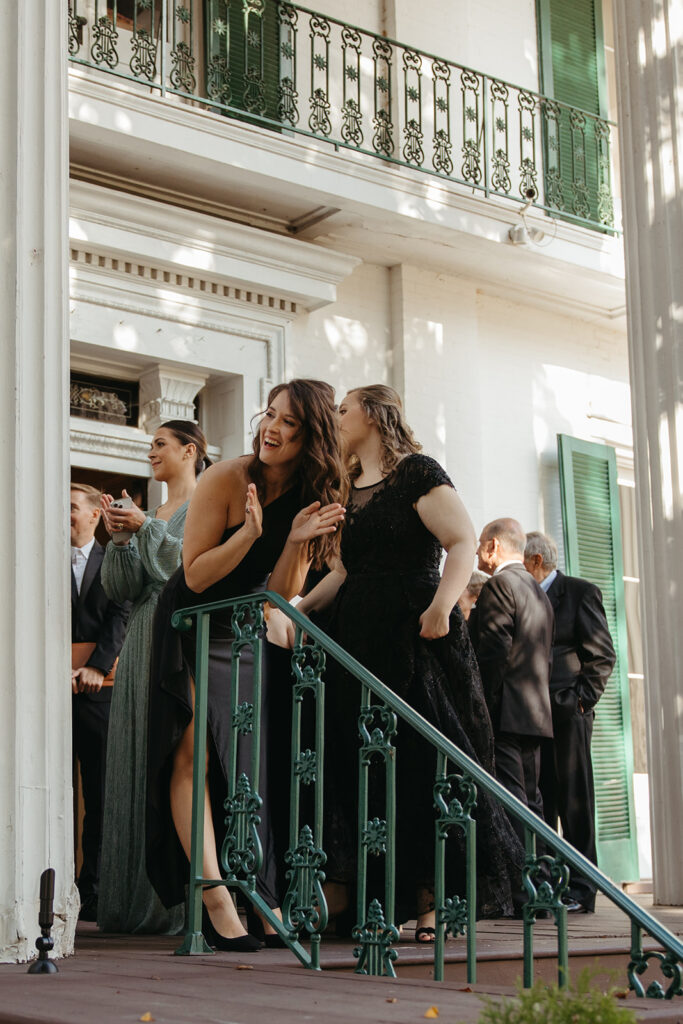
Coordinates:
[163,236]
[113,448]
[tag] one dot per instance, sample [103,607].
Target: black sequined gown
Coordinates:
[392,563]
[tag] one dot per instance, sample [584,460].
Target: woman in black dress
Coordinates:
[245,526]
[388,605]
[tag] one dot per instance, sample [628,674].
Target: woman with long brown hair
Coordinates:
[391,608]
[245,527]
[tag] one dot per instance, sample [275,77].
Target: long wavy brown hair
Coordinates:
[321,474]
[382,405]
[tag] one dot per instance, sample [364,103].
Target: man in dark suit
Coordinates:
[512,631]
[583,659]
[97,620]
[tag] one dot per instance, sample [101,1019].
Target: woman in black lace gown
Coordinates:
[387,604]
[245,527]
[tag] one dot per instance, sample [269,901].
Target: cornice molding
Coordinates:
[127,443]
[237,311]
[195,245]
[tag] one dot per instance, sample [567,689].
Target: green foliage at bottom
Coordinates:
[548,1004]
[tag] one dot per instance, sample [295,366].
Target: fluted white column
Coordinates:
[649,37]
[35,724]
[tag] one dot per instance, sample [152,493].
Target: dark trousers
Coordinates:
[568,794]
[518,764]
[90,721]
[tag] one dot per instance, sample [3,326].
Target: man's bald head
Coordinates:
[501,540]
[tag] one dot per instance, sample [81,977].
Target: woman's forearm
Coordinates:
[289,573]
[456,573]
[323,594]
[217,563]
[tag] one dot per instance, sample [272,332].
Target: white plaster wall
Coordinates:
[497,37]
[543,374]
[487,383]
[346,343]
[366,14]
[434,320]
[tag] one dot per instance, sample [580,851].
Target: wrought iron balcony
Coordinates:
[292,70]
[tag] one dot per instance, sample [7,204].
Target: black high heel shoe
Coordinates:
[242,944]
[255,925]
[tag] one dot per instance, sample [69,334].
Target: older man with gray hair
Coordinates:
[583,659]
[512,629]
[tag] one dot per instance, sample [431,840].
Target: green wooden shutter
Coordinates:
[572,60]
[592,542]
[242,40]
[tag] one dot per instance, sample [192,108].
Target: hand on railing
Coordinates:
[279,629]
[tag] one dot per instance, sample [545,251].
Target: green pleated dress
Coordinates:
[136,572]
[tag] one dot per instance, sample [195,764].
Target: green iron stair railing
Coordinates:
[304,909]
[291,69]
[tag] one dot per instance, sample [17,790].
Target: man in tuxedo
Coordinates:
[512,631]
[98,620]
[583,659]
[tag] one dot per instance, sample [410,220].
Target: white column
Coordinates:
[168,393]
[35,725]
[649,38]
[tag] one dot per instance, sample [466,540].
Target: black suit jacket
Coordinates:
[583,653]
[95,618]
[512,633]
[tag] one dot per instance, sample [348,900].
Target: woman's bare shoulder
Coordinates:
[231,474]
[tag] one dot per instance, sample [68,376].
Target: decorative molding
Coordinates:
[147,271]
[186,245]
[95,443]
[128,443]
[167,393]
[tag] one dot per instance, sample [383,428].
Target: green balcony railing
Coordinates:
[293,70]
[454,798]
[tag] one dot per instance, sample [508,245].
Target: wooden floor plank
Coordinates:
[120,978]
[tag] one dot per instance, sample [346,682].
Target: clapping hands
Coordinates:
[315,521]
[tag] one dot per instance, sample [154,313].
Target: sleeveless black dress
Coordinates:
[392,563]
[170,707]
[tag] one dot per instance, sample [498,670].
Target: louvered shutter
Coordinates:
[592,542]
[249,44]
[573,71]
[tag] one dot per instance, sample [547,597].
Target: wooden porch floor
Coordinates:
[123,978]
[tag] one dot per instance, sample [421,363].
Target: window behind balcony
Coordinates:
[572,62]
[242,56]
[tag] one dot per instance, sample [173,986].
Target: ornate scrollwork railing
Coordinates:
[286,67]
[457,781]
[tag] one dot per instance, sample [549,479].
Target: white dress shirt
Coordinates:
[547,582]
[79,560]
[510,561]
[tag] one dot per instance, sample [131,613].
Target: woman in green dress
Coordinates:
[137,570]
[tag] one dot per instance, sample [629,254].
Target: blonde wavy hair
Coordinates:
[382,405]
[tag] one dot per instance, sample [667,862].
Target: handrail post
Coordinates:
[484,124]
[162,41]
[528,916]
[471,840]
[439,879]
